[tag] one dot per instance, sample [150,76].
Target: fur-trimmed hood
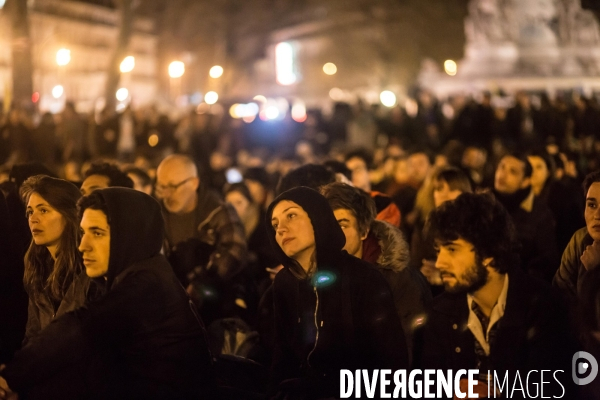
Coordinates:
[394,252]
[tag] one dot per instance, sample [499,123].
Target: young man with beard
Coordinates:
[493,317]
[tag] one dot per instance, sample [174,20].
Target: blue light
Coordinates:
[323,279]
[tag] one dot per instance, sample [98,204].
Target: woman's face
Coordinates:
[293,230]
[46,224]
[540,171]
[239,202]
[442,193]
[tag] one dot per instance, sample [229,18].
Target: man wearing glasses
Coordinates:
[205,240]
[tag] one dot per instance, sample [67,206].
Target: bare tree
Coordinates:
[22,65]
[126,12]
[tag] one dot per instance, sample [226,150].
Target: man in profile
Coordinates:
[492,316]
[139,321]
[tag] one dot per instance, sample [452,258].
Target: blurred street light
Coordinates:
[122,94]
[127,64]
[176,69]
[450,67]
[216,72]
[284,64]
[63,57]
[330,68]
[387,98]
[211,98]
[57,91]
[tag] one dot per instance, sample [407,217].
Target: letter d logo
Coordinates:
[583,367]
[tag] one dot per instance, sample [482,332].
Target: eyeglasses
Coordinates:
[170,188]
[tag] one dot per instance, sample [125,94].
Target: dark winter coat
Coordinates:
[42,312]
[571,273]
[533,334]
[411,293]
[341,317]
[142,324]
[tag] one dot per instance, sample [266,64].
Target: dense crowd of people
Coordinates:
[216,258]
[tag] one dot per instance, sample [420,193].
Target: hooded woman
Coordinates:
[141,330]
[332,311]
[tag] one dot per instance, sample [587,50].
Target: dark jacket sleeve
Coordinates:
[545,245]
[230,245]
[69,339]
[33,321]
[380,319]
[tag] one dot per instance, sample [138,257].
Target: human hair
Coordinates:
[455,178]
[115,176]
[42,276]
[343,196]
[93,201]
[310,175]
[481,220]
[241,188]
[590,178]
[548,160]
[140,173]
[338,167]
[422,150]
[528,169]
[362,154]
[258,174]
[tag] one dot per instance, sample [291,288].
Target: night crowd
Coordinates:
[207,257]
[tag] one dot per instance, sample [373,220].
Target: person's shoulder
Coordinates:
[582,235]
[531,290]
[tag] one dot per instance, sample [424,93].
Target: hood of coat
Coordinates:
[329,237]
[395,254]
[136,228]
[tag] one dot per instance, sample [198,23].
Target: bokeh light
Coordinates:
[450,67]
[127,64]
[63,57]
[122,94]
[216,72]
[176,69]
[57,91]
[330,68]
[387,98]
[211,97]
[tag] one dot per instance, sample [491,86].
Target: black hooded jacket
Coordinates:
[141,322]
[341,317]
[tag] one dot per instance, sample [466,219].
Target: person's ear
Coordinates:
[488,262]
[364,235]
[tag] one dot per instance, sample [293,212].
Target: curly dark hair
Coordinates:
[343,196]
[115,176]
[481,220]
[590,178]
